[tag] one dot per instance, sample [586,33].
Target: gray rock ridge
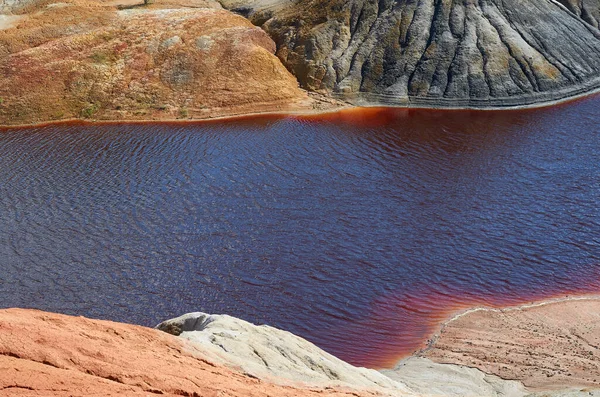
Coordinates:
[588,10]
[446,53]
[269,353]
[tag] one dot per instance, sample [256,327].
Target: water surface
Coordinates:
[359,231]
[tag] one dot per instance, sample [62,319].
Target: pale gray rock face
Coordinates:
[441,52]
[269,353]
[428,378]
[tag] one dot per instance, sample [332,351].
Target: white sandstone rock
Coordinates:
[269,353]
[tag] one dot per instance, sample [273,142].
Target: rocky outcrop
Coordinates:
[281,357]
[45,354]
[56,355]
[554,345]
[183,59]
[269,353]
[486,53]
[89,60]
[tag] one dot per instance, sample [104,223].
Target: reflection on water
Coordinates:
[359,231]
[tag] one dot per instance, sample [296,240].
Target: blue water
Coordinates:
[351,232]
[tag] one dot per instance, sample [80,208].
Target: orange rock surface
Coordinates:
[172,60]
[548,346]
[45,354]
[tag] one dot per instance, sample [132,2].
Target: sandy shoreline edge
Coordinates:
[519,307]
[546,344]
[301,111]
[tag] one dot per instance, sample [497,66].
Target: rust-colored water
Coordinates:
[361,230]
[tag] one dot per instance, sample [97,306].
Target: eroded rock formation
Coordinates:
[193,59]
[588,10]
[46,354]
[56,355]
[438,52]
[279,356]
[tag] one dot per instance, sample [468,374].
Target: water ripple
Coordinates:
[358,233]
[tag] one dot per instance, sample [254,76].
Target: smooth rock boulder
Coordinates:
[273,354]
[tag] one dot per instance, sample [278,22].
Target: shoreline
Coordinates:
[474,359]
[539,101]
[459,313]
[337,107]
[547,345]
[430,340]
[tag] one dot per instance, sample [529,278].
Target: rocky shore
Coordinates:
[548,349]
[121,60]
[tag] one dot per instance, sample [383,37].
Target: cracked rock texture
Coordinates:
[549,346]
[427,377]
[476,53]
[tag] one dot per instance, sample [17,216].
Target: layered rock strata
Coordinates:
[441,53]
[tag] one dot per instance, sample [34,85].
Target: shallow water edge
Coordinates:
[339,108]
